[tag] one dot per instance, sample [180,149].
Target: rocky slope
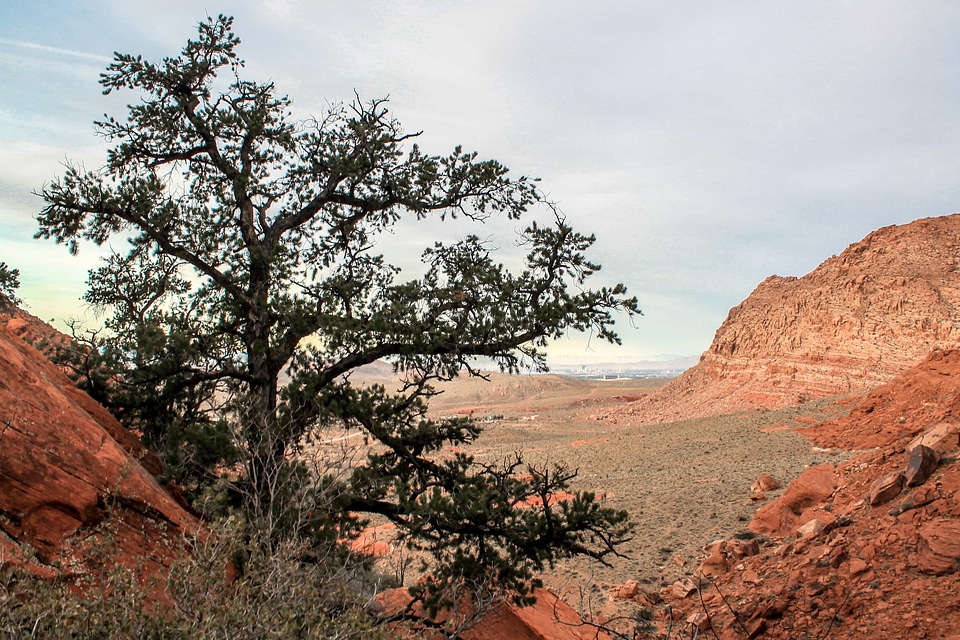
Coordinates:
[853,323]
[866,549]
[77,490]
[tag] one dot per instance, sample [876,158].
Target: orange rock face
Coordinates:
[71,477]
[793,508]
[853,323]
[833,564]
[549,618]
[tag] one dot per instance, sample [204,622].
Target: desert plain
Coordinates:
[683,483]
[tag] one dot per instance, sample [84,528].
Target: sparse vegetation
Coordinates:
[277,595]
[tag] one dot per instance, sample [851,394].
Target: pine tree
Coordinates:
[252,259]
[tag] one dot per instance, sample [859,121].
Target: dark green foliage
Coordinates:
[252,257]
[9,283]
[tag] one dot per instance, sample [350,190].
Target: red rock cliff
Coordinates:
[851,324]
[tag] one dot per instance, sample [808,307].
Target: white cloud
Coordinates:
[33,47]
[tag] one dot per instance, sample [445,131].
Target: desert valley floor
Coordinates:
[683,483]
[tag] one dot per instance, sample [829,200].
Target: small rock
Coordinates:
[752,577]
[923,460]
[644,600]
[683,588]
[714,546]
[779,517]
[764,483]
[627,591]
[858,566]
[776,607]
[919,497]
[699,620]
[809,530]
[743,548]
[757,628]
[716,563]
[885,489]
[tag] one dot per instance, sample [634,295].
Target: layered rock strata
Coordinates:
[853,323]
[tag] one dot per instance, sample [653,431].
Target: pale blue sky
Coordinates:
[708,144]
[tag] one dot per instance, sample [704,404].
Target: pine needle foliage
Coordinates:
[251,287]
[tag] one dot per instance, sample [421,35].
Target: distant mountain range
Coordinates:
[676,365]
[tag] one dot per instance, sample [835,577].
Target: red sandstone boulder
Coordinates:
[550,618]
[810,529]
[71,477]
[376,542]
[885,489]
[918,497]
[941,437]
[765,483]
[627,591]
[783,515]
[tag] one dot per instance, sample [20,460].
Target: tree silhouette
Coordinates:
[253,258]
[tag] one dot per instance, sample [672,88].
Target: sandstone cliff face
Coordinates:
[851,324]
[73,487]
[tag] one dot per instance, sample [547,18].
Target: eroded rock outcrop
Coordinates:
[73,482]
[550,617]
[853,323]
[836,562]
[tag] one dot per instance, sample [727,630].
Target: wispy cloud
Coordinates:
[56,50]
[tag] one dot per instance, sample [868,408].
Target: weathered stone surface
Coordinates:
[810,529]
[550,617]
[715,563]
[885,489]
[853,323]
[858,566]
[942,437]
[699,620]
[939,548]
[781,516]
[923,460]
[683,589]
[627,590]
[65,480]
[765,482]
[376,542]
[918,497]
[721,555]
